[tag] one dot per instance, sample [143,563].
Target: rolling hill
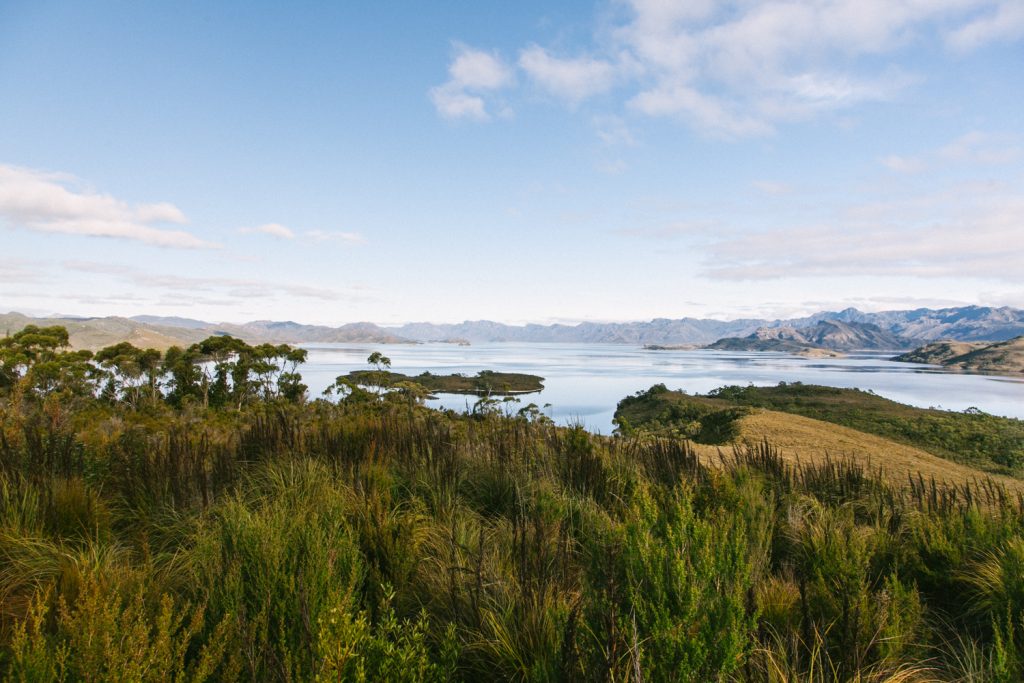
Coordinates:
[1005,357]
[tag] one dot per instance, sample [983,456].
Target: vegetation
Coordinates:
[226,527]
[661,412]
[486,382]
[987,442]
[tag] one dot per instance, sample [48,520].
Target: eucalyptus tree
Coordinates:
[382,365]
[274,370]
[38,361]
[130,370]
[215,359]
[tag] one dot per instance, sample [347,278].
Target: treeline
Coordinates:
[234,534]
[216,372]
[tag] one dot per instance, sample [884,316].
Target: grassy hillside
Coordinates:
[990,443]
[173,525]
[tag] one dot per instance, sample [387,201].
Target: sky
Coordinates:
[520,162]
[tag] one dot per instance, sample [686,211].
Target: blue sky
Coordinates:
[335,162]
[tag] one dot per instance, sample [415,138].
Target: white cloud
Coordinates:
[274,229]
[453,103]
[968,231]
[471,74]
[613,131]
[476,69]
[1005,22]
[706,112]
[972,148]
[981,148]
[49,202]
[316,236]
[232,288]
[572,80]
[737,68]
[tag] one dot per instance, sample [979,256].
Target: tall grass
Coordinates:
[379,541]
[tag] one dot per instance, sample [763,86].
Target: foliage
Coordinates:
[486,382]
[227,532]
[667,413]
[985,441]
[990,443]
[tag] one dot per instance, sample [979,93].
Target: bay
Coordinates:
[584,382]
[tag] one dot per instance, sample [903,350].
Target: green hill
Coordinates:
[991,443]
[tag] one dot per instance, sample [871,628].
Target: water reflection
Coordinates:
[583,382]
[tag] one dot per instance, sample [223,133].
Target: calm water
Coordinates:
[583,382]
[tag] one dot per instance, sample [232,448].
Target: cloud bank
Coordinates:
[737,68]
[54,203]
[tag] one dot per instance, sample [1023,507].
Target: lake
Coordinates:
[584,382]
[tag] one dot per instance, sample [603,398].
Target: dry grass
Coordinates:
[804,439]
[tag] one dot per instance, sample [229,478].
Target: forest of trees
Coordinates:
[195,515]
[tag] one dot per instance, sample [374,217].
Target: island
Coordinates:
[671,347]
[777,345]
[484,383]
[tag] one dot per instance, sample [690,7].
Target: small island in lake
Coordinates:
[671,347]
[486,382]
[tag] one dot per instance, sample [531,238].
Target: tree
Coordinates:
[38,360]
[276,370]
[129,370]
[382,364]
[185,381]
[215,357]
[33,344]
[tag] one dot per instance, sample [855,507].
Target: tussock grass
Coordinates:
[384,541]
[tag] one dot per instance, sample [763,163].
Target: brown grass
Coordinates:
[804,439]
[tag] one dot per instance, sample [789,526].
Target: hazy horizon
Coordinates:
[611,161]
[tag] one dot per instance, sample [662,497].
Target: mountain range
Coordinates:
[967,323]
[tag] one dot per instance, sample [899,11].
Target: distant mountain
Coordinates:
[162,333]
[969,323]
[658,331]
[95,333]
[170,321]
[966,323]
[834,335]
[289,332]
[1005,357]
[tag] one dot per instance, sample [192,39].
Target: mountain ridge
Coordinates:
[830,334]
[966,323]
